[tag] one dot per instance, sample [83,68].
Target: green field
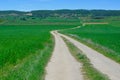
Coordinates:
[104,38]
[28,20]
[25,51]
[26,44]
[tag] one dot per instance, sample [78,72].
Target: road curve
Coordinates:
[62,65]
[99,61]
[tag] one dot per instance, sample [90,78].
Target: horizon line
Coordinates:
[56,10]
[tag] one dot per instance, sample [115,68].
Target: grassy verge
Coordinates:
[90,73]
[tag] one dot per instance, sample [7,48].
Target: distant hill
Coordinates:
[76,13]
[63,13]
[11,12]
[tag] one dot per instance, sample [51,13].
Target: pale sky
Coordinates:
[28,5]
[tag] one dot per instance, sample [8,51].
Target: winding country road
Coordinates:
[62,65]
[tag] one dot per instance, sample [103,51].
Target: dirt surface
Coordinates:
[91,23]
[62,65]
[99,61]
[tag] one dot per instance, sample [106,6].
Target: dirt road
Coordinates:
[62,65]
[99,61]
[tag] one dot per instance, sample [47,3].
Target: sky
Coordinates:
[28,5]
